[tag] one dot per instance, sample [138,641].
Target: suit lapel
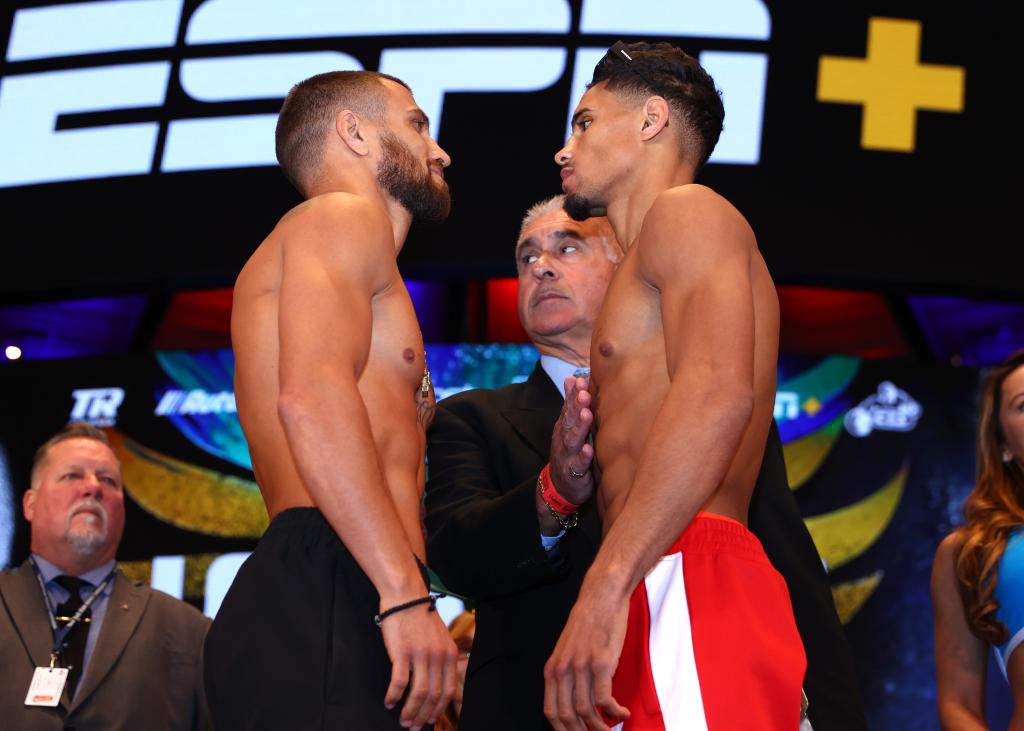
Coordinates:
[24,601]
[125,607]
[537,407]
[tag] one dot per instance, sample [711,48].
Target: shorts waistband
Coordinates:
[309,527]
[305,525]
[712,532]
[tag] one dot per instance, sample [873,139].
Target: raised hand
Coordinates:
[571,452]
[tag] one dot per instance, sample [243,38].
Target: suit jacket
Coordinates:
[485,450]
[144,672]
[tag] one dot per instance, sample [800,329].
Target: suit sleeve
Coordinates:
[483,539]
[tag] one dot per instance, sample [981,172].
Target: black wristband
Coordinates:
[428,599]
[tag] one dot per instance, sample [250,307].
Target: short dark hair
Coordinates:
[73,430]
[665,70]
[309,111]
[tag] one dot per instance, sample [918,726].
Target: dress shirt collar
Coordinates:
[93,576]
[558,370]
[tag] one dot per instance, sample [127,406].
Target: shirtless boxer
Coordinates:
[681,622]
[329,378]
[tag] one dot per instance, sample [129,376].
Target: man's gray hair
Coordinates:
[554,204]
[537,210]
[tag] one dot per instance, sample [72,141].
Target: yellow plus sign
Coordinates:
[891,84]
[812,406]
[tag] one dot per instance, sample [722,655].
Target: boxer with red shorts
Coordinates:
[681,622]
[711,642]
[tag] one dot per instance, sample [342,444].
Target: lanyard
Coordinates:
[59,635]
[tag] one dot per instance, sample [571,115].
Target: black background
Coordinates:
[941,219]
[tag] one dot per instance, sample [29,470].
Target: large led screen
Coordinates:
[136,136]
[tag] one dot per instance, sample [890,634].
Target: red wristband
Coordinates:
[550,495]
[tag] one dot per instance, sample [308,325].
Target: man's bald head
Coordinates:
[309,111]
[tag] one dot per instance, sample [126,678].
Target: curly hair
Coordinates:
[665,70]
[992,511]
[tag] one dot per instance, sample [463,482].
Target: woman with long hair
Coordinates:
[978,576]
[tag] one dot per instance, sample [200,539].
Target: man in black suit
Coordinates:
[492,538]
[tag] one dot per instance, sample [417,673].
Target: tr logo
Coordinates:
[98,406]
[33,151]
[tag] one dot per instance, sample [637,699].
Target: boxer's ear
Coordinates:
[348,127]
[655,117]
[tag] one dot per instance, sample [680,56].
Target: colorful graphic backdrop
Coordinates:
[879,454]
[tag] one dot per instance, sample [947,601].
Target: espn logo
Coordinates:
[32,104]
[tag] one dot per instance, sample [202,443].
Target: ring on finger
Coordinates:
[576,475]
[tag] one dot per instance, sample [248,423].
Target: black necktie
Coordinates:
[73,653]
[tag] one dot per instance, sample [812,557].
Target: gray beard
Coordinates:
[86,542]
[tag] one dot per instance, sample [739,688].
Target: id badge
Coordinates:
[47,687]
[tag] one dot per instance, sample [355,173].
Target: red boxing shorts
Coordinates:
[711,643]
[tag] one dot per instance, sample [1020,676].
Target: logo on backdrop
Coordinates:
[177,402]
[97,406]
[891,85]
[890,409]
[791,405]
[40,140]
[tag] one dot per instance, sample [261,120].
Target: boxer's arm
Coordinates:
[961,658]
[695,249]
[328,282]
[335,258]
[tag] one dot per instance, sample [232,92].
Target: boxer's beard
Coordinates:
[580,208]
[399,174]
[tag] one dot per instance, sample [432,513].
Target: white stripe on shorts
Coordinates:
[671,648]
[672,661]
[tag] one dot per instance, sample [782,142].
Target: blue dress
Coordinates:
[1009,593]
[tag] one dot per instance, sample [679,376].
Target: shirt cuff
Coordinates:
[549,542]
